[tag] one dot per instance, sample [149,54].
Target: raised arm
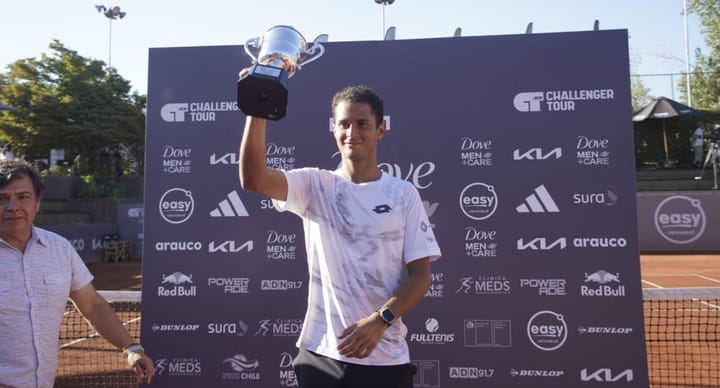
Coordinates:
[255,175]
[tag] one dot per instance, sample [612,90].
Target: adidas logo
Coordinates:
[538,202]
[232,206]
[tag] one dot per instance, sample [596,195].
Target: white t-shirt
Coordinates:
[359,238]
[698,137]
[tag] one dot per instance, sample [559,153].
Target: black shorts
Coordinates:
[316,371]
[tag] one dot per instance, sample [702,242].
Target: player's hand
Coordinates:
[362,337]
[142,365]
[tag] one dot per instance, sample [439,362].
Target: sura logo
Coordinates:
[538,202]
[238,328]
[541,244]
[480,243]
[547,330]
[174,112]
[176,205]
[418,175]
[230,246]
[528,101]
[537,154]
[607,198]
[680,219]
[474,153]
[478,201]
[605,286]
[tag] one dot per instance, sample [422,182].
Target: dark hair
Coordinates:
[11,170]
[360,93]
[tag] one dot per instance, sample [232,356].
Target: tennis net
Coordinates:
[87,360]
[682,334]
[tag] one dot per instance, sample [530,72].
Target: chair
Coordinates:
[116,250]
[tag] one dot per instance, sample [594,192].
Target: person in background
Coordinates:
[698,143]
[369,247]
[39,270]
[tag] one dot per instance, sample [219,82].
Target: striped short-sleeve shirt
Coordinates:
[34,289]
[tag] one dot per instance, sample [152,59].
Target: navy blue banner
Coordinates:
[521,148]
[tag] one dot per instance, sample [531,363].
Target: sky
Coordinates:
[656,27]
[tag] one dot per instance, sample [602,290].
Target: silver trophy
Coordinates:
[262,92]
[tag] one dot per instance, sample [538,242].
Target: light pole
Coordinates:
[687,55]
[384,3]
[111,13]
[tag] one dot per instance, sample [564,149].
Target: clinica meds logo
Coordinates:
[680,219]
[478,201]
[176,205]
[538,202]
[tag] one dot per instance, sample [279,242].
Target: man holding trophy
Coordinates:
[369,242]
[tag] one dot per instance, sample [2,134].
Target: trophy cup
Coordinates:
[282,50]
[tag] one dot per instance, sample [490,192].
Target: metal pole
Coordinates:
[109,42]
[687,56]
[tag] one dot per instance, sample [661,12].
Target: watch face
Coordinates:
[387,315]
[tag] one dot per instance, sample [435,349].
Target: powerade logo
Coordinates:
[680,219]
[558,100]
[547,330]
[176,205]
[196,111]
[478,201]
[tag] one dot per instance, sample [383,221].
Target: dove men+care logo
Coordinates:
[475,153]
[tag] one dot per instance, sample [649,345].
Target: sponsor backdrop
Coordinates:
[521,148]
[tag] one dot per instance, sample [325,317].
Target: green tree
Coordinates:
[705,76]
[70,102]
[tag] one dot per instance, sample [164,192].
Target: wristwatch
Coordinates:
[386,315]
[133,348]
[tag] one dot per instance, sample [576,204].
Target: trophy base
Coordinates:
[263,92]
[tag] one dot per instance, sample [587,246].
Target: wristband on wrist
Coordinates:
[133,348]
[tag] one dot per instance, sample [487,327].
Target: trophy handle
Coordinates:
[316,47]
[254,43]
